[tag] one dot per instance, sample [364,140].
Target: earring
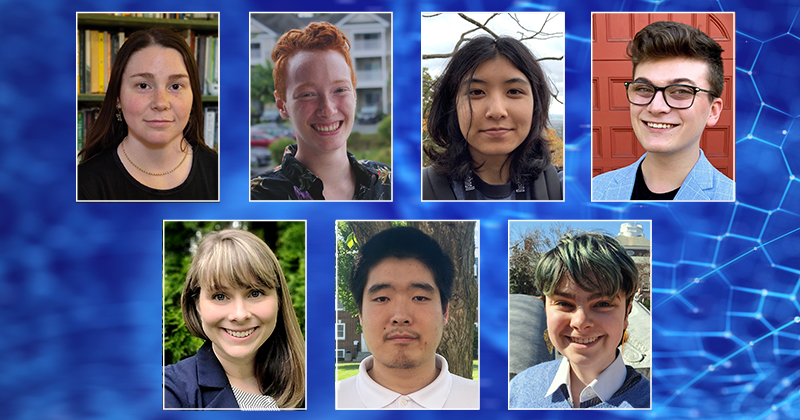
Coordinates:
[624,340]
[547,342]
[119,114]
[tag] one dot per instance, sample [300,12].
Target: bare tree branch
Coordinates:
[430,16]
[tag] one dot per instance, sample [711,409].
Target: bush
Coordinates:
[277,148]
[385,129]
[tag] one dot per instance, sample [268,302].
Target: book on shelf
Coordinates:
[211,126]
[97,51]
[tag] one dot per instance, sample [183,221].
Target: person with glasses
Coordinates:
[675,93]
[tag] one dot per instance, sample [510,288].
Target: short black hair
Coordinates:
[403,242]
[450,155]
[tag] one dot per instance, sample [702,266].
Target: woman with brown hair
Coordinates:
[147,143]
[236,298]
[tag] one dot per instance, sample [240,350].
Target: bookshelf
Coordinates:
[201,31]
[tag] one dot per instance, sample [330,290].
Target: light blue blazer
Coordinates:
[704,182]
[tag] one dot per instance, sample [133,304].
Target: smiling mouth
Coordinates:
[580,340]
[659,125]
[240,334]
[327,127]
[497,131]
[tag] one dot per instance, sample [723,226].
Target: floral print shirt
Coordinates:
[293,181]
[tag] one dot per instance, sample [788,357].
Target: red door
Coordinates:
[614,144]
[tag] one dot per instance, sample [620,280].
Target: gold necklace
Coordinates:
[186,153]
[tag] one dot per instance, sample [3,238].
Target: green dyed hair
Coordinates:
[596,262]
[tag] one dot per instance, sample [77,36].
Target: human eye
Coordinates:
[420,298]
[643,88]
[176,86]
[142,85]
[218,297]
[256,293]
[515,91]
[381,299]
[680,91]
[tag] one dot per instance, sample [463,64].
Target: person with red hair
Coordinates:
[315,88]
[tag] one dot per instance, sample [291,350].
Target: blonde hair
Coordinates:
[239,259]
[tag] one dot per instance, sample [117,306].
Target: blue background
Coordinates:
[80,295]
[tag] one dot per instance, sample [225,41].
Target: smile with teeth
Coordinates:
[327,127]
[240,334]
[586,340]
[659,125]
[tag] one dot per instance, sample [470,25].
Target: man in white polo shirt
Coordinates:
[402,283]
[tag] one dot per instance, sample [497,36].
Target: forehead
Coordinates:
[156,59]
[673,70]
[567,287]
[400,274]
[498,69]
[316,66]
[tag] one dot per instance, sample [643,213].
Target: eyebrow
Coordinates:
[377,287]
[513,80]
[152,76]
[312,83]
[680,80]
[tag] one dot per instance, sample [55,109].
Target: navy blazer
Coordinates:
[198,382]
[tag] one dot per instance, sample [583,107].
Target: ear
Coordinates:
[446,312]
[281,106]
[716,110]
[627,313]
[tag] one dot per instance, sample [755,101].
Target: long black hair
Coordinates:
[450,153]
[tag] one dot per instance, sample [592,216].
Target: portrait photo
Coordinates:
[234,315]
[147,106]
[579,314]
[663,109]
[321,106]
[407,315]
[493,106]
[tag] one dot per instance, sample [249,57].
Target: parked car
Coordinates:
[369,114]
[260,157]
[264,134]
[271,115]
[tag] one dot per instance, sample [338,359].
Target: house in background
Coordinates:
[631,237]
[350,345]
[370,36]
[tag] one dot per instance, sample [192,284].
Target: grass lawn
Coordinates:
[346,370]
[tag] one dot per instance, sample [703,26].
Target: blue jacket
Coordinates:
[527,390]
[198,382]
[704,182]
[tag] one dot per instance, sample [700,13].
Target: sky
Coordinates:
[608,226]
[440,34]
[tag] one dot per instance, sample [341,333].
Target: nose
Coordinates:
[496,107]
[327,106]
[659,103]
[160,100]
[580,319]
[239,311]
[401,315]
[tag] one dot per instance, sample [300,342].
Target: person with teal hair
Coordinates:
[587,282]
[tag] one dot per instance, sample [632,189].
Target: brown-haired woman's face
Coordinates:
[502,109]
[156,96]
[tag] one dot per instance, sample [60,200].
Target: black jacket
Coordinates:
[198,382]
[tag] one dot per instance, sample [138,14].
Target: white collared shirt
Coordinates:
[447,391]
[603,387]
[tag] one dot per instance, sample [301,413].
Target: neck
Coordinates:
[494,170]
[155,158]
[664,173]
[334,171]
[240,373]
[404,381]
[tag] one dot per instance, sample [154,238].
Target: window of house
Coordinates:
[340,331]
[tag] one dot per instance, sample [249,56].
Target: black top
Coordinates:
[198,382]
[641,192]
[104,177]
[545,186]
[293,181]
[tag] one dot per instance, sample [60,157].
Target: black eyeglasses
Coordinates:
[676,96]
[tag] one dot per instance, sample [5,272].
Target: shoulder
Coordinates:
[616,184]
[208,158]
[96,175]
[705,182]
[180,383]
[528,388]
[635,392]
[467,391]
[271,185]
[374,180]
[435,186]
[347,394]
